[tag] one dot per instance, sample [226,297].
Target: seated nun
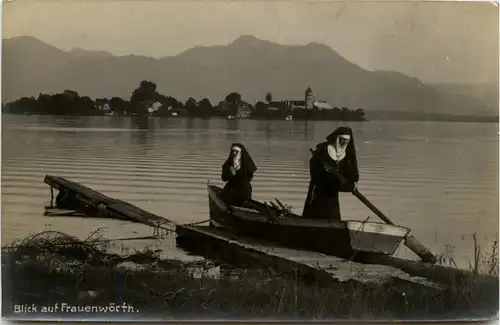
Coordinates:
[237,172]
[333,169]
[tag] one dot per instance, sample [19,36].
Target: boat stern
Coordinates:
[373,237]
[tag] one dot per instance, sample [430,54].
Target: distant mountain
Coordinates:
[487,93]
[90,54]
[248,65]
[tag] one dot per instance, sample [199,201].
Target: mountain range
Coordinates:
[248,65]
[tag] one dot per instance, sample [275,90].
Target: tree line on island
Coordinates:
[147,101]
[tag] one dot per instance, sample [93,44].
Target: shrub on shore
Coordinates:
[52,268]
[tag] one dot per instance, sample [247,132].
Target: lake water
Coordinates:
[438,178]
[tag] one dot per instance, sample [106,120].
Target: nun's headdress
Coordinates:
[247,162]
[345,132]
[340,131]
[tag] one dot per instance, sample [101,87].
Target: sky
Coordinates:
[433,41]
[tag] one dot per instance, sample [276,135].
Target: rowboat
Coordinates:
[280,225]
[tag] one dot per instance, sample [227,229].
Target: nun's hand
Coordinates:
[355,186]
[328,167]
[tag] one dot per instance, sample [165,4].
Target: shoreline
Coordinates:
[220,117]
[49,269]
[445,119]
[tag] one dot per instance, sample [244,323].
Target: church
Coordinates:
[308,103]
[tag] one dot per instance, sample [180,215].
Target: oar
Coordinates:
[411,242]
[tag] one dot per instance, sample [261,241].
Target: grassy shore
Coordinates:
[54,269]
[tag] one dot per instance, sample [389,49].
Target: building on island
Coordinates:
[103,105]
[310,102]
[244,111]
[154,107]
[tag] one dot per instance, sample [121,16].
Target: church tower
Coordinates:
[309,98]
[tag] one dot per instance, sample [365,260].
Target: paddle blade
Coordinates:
[419,249]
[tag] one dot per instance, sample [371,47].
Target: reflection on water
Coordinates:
[440,179]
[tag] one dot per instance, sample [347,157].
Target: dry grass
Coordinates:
[483,262]
[54,268]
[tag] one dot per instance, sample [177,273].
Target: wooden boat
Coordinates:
[275,224]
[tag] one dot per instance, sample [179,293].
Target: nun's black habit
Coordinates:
[238,176]
[332,170]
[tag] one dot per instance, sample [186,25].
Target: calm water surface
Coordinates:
[440,179]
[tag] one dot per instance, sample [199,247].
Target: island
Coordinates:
[147,101]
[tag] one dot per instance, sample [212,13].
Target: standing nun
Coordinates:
[333,169]
[237,172]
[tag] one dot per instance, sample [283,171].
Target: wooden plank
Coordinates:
[104,205]
[62,184]
[324,268]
